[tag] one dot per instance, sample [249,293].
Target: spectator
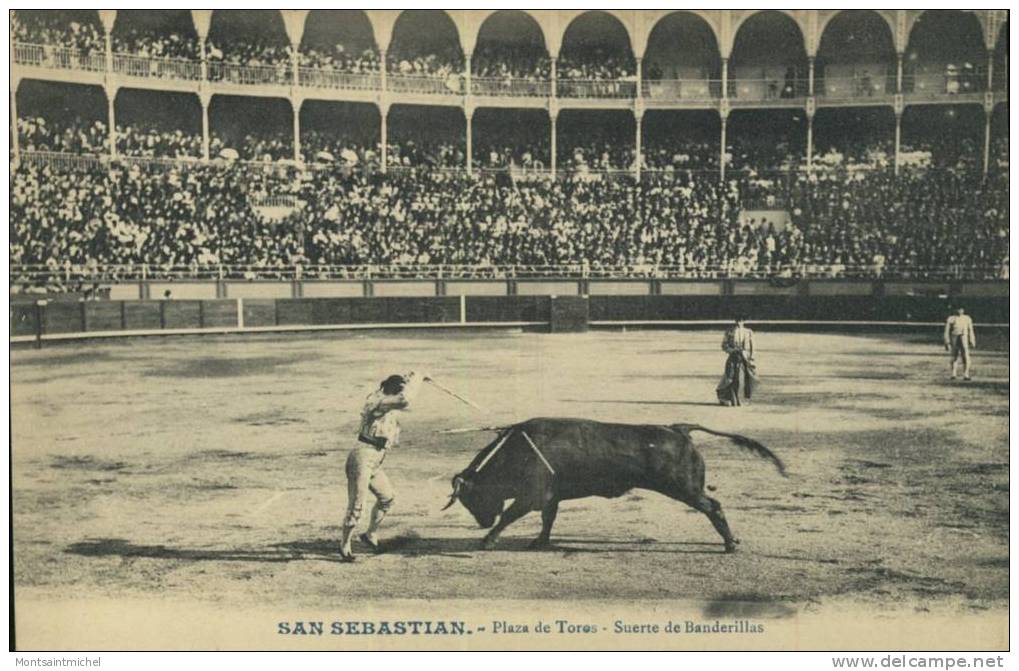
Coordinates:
[53,29]
[156,44]
[846,219]
[340,59]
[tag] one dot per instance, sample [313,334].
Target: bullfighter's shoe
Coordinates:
[373,543]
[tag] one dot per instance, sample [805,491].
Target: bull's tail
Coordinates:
[742,441]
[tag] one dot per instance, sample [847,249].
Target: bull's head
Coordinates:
[484,506]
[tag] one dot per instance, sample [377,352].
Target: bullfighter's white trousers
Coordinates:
[364,475]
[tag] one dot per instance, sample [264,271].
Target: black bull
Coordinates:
[588,459]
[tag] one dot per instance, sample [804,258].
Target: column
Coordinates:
[810,76]
[467,75]
[108,17]
[725,78]
[555,80]
[898,74]
[382,76]
[202,53]
[295,61]
[898,140]
[109,52]
[987,141]
[469,116]
[15,140]
[111,97]
[383,114]
[638,117]
[990,70]
[640,79]
[296,106]
[810,143]
[721,157]
[204,99]
[811,110]
[553,156]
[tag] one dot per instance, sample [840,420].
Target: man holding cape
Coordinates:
[740,371]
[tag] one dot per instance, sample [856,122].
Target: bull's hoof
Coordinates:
[730,546]
[539,544]
[489,543]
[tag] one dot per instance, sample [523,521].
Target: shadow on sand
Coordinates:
[118,547]
[609,401]
[327,549]
[411,545]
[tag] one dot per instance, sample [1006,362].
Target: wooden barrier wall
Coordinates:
[814,301]
[310,288]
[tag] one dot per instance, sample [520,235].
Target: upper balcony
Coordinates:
[55,58]
[38,61]
[685,92]
[140,67]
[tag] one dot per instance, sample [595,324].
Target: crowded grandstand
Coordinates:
[421,143]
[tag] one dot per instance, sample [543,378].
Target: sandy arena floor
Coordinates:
[210,471]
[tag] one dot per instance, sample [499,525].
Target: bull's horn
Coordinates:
[458,483]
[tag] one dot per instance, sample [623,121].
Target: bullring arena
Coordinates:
[203,475]
[218,251]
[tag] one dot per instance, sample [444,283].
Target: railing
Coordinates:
[65,161]
[683,90]
[92,161]
[450,85]
[250,75]
[160,162]
[62,161]
[937,86]
[934,86]
[317,78]
[768,89]
[276,200]
[36,274]
[854,88]
[596,88]
[157,68]
[512,87]
[59,58]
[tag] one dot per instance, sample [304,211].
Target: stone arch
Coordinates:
[727,48]
[483,21]
[175,18]
[567,20]
[475,20]
[856,56]
[359,21]
[756,16]
[946,53]
[826,20]
[998,27]
[273,18]
[410,14]
[694,25]
[975,22]
[656,17]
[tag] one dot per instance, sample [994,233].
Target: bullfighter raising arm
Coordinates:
[379,432]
